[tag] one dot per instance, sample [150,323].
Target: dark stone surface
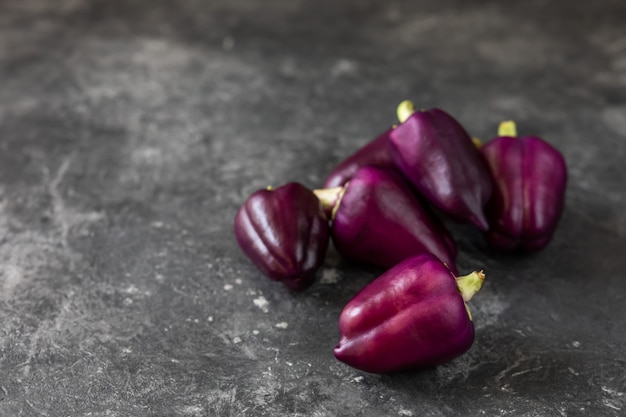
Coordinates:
[130,132]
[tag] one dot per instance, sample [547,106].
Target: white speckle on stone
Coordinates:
[210,319]
[289,363]
[344,67]
[329,276]
[576,343]
[255,332]
[131,290]
[357,379]
[404,412]
[126,351]
[12,277]
[282,325]
[128,301]
[147,156]
[157,225]
[236,339]
[193,410]
[238,281]
[262,303]
[228,287]
[573,371]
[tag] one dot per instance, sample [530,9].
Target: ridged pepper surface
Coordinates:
[285,232]
[440,159]
[530,178]
[379,220]
[413,316]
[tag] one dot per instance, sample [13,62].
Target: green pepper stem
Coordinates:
[507,128]
[469,285]
[405,110]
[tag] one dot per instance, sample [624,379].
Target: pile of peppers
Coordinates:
[383,206]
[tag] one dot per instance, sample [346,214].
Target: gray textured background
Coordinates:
[131,131]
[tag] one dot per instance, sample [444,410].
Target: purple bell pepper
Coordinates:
[285,232]
[413,316]
[440,159]
[375,153]
[377,219]
[530,178]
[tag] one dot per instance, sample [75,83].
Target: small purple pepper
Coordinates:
[413,316]
[440,159]
[530,177]
[375,153]
[377,219]
[285,232]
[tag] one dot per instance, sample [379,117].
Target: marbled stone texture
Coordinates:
[130,132]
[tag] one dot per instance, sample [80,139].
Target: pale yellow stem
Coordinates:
[405,110]
[507,128]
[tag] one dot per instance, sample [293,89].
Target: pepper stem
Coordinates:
[469,285]
[507,128]
[330,199]
[328,196]
[405,110]
[477,142]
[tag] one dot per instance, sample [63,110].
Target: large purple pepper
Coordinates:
[375,153]
[412,316]
[530,178]
[440,159]
[285,232]
[377,219]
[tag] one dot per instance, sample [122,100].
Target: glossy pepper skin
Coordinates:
[530,178]
[380,221]
[437,155]
[285,232]
[375,153]
[412,316]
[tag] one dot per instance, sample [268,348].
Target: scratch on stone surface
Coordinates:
[509,368]
[514,374]
[35,409]
[58,202]
[63,216]
[610,404]
[612,391]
